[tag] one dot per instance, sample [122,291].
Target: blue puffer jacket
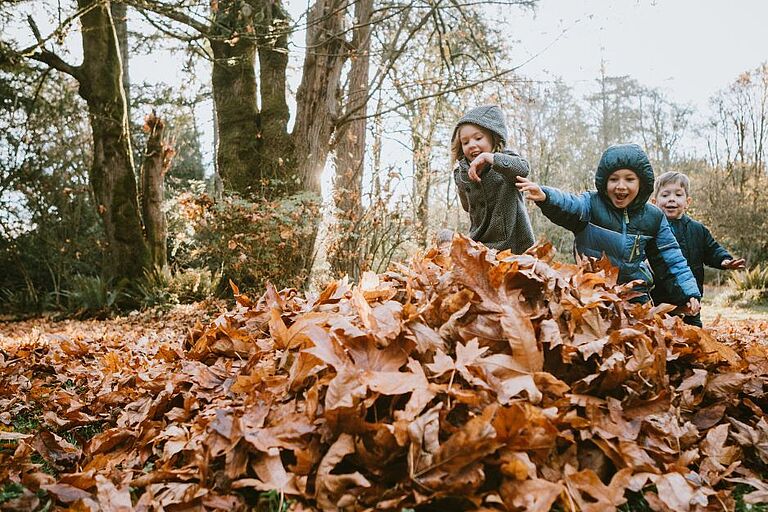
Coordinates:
[626,236]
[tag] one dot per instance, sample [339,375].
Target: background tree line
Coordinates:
[104,203]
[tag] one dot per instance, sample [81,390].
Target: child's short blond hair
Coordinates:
[672,177]
[456,152]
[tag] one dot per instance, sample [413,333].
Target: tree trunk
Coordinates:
[157,161]
[422,181]
[120,19]
[234,95]
[318,99]
[318,102]
[111,173]
[255,155]
[350,146]
[277,162]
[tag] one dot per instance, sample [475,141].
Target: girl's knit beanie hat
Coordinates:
[489,117]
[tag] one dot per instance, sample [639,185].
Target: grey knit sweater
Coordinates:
[497,213]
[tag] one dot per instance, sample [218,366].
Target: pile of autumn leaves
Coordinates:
[469,380]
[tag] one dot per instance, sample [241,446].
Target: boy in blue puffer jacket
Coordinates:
[617,221]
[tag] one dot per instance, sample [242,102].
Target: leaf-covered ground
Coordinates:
[466,381]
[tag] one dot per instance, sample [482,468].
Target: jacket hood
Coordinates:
[626,156]
[489,117]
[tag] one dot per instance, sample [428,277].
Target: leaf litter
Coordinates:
[469,380]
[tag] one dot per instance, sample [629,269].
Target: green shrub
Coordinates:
[163,287]
[194,284]
[749,288]
[93,296]
[248,242]
[755,278]
[23,301]
[154,289]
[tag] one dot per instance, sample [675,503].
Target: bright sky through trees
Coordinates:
[690,48]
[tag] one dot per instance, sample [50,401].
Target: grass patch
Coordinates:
[10,491]
[719,301]
[45,466]
[636,502]
[272,501]
[80,435]
[27,422]
[738,494]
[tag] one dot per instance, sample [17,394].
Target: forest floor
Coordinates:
[712,309]
[165,335]
[174,324]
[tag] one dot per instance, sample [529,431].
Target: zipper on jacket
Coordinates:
[634,246]
[624,224]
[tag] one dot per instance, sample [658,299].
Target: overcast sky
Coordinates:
[690,48]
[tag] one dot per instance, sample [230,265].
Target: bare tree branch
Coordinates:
[40,54]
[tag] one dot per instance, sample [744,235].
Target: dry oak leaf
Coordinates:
[333,491]
[536,495]
[272,475]
[602,498]
[678,493]
[111,497]
[755,437]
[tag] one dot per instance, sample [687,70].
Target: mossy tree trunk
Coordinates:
[112,172]
[257,156]
[111,175]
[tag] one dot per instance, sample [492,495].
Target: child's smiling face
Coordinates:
[474,140]
[622,187]
[673,200]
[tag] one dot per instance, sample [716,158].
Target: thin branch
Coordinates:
[47,57]
[442,92]
[41,41]
[169,12]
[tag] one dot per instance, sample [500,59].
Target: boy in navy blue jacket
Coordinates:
[671,193]
[618,221]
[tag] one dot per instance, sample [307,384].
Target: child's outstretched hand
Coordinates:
[478,165]
[531,190]
[737,264]
[692,307]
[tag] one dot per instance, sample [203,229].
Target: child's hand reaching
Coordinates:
[531,190]
[737,264]
[692,307]
[478,165]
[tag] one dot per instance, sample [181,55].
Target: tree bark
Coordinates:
[422,181]
[120,19]
[318,100]
[277,161]
[350,145]
[234,95]
[157,161]
[111,174]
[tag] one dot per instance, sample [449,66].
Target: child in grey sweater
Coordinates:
[485,174]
